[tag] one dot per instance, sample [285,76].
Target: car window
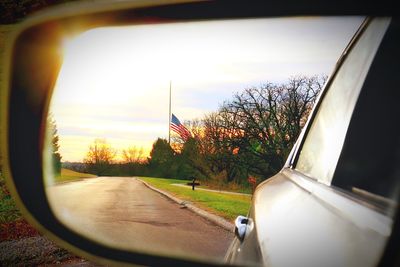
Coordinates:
[321,149]
[369,162]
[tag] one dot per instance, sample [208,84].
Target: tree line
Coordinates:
[249,135]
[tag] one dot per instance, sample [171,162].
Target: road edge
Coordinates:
[208,216]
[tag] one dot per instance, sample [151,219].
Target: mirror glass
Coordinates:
[158,134]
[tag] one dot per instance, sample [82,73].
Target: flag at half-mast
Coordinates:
[179,128]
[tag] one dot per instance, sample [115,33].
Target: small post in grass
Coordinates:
[193,183]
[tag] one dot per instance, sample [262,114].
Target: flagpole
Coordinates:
[169,115]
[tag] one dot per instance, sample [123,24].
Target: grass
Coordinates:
[225,205]
[232,187]
[70,176]
[8,210]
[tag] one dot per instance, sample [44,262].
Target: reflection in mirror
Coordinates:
[189,110]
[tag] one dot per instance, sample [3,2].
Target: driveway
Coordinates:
[123,212]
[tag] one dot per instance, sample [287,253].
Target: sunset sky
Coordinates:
[114,82]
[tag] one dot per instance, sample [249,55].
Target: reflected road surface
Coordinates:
[123,212]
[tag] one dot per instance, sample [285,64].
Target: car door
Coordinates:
[335,201]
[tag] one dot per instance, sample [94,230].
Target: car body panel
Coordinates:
[335,229]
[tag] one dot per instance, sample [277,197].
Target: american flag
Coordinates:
[179,128]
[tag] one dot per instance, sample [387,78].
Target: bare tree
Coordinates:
[215,148]
[99,157]
[132,155]
[254,132]
[297,101]
[264,122]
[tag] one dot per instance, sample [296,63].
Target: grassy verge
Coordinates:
[69,176]
[8,210]
[232,187]
[224,205]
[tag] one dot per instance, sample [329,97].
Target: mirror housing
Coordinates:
[241,227]
[33,61]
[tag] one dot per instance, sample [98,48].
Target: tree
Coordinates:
[55,154]
[162,161]
[191,161]
[253,133]
[100,157]
[219,149]
[132,155]
[264,122]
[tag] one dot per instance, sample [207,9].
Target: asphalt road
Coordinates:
[123,212]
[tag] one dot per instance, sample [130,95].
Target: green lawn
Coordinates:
[69,176]
[225,205]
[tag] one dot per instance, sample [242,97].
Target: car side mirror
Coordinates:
[241,227]
[34,59]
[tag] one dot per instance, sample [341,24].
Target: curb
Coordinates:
[210,217]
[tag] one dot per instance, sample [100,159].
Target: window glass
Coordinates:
[368,165]
[321,149]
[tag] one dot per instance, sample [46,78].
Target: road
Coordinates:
[123,212]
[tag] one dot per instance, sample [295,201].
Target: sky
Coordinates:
[114,82]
